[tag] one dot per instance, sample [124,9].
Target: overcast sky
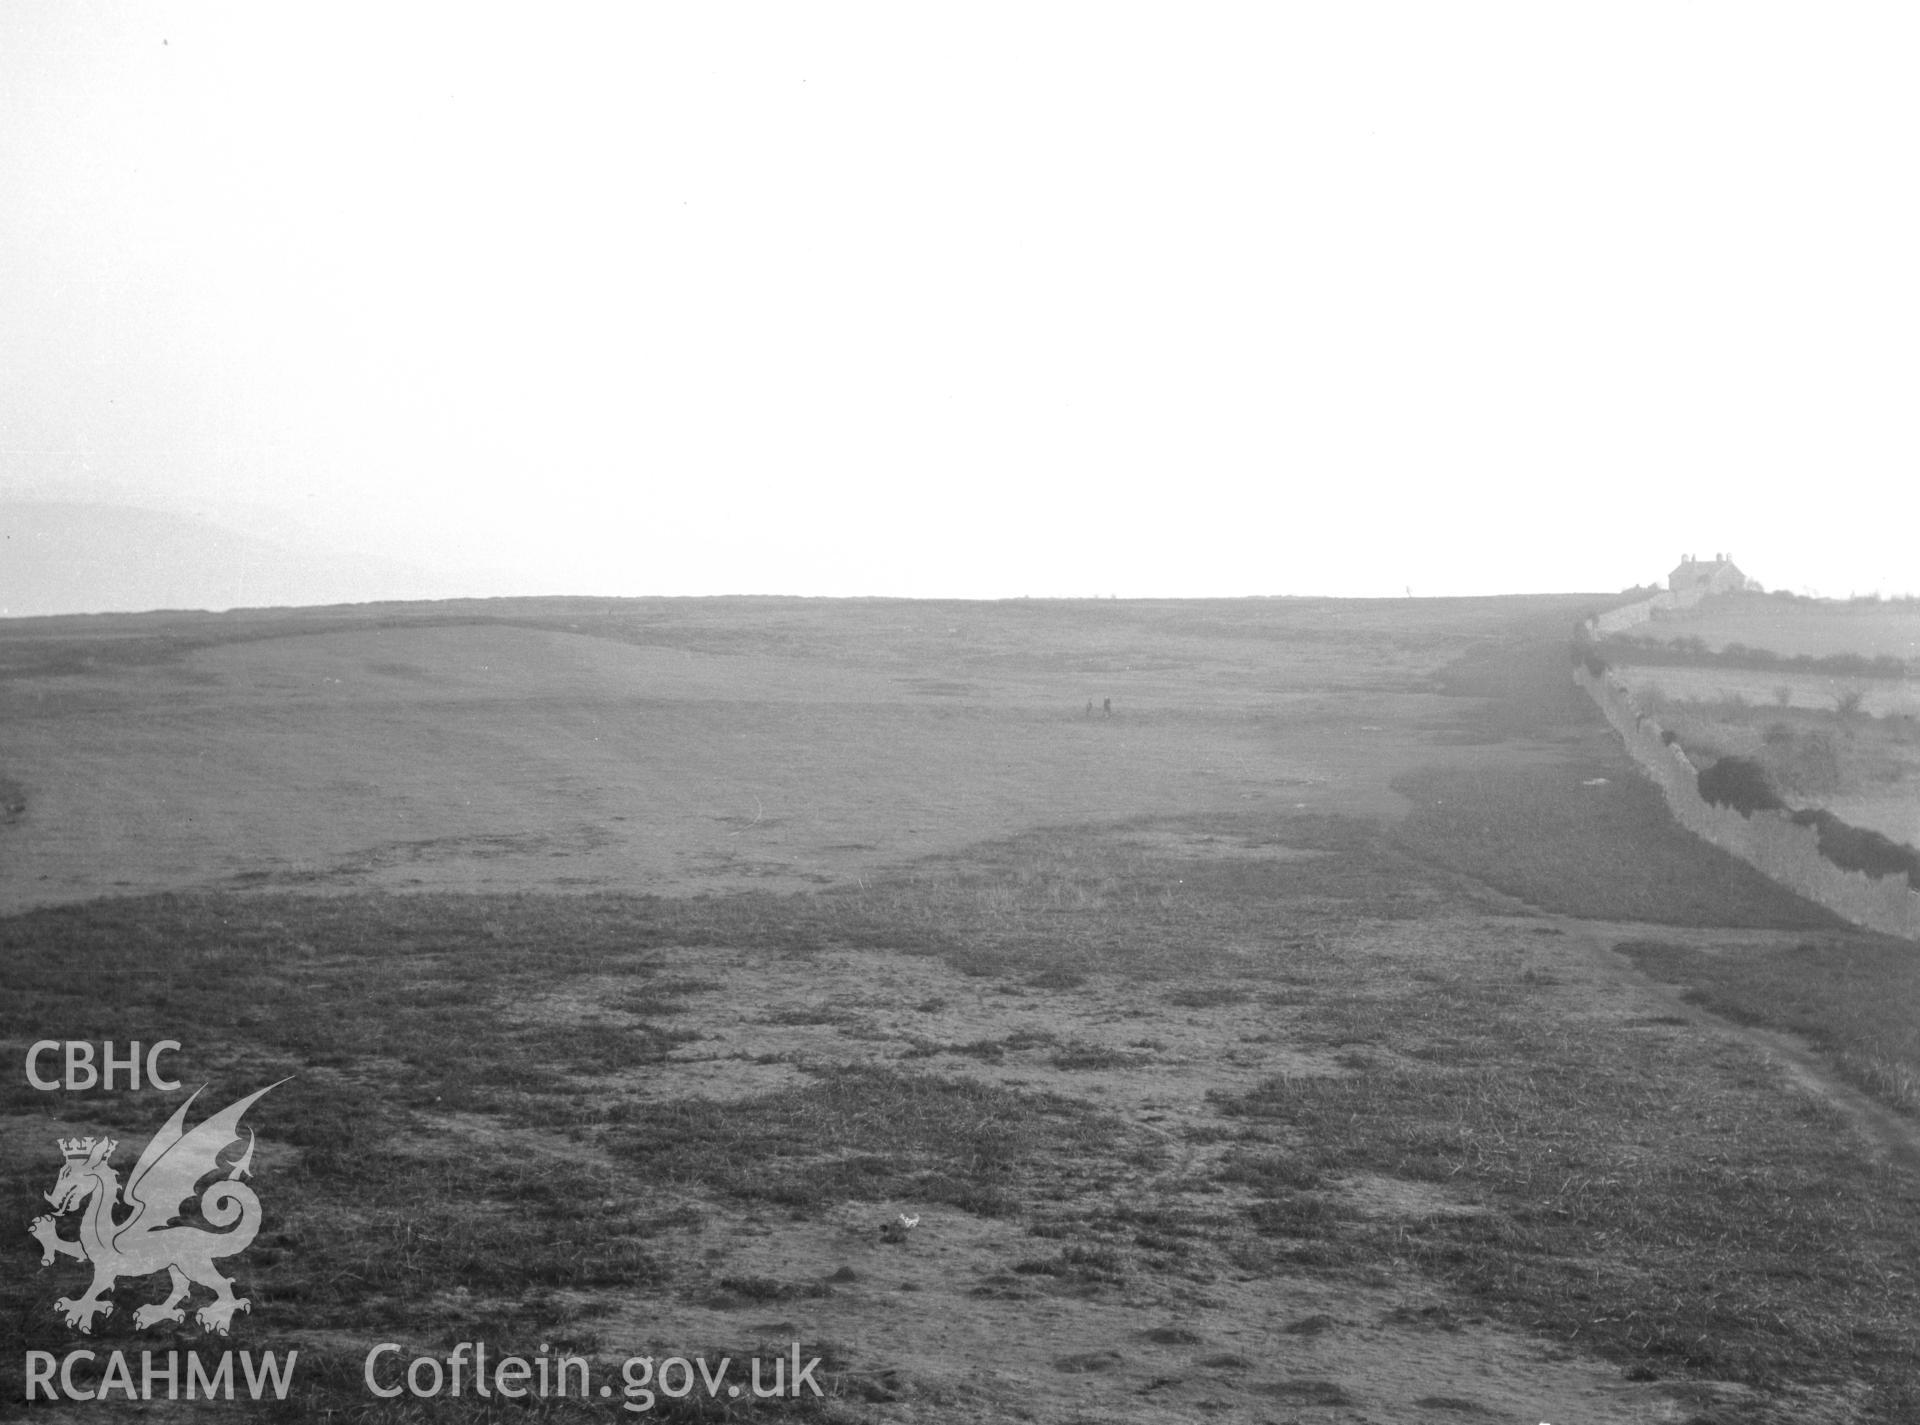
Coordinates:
[975,300]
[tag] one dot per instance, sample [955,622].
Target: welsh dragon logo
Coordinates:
[148,1239]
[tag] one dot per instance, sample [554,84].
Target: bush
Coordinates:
[1854,848]
[1740,783]
[1584,654]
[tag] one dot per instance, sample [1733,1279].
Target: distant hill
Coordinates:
[69,557]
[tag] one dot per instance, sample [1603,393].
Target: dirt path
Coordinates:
[1613,976]
[1892,1136]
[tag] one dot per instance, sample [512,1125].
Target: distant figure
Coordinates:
[1106,706]
[1089,707]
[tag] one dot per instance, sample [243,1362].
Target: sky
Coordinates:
[311,303]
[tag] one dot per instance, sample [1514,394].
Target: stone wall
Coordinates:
[1767,840]
[1631,615]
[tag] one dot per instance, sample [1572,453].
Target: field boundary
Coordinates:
[1769,841]
[1642,610]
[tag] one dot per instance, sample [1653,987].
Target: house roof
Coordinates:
[1689,573]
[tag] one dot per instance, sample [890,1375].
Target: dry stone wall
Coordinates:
[1767,840]
[1641,610]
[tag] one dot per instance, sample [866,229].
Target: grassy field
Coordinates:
[1818,628]
[1862,764]
[1846,740]
[682,745]
[1784,690]
[1332,1101]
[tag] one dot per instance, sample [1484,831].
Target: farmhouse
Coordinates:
[1717,575]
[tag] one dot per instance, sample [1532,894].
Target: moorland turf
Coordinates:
[1852,997]
[1635,1188]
